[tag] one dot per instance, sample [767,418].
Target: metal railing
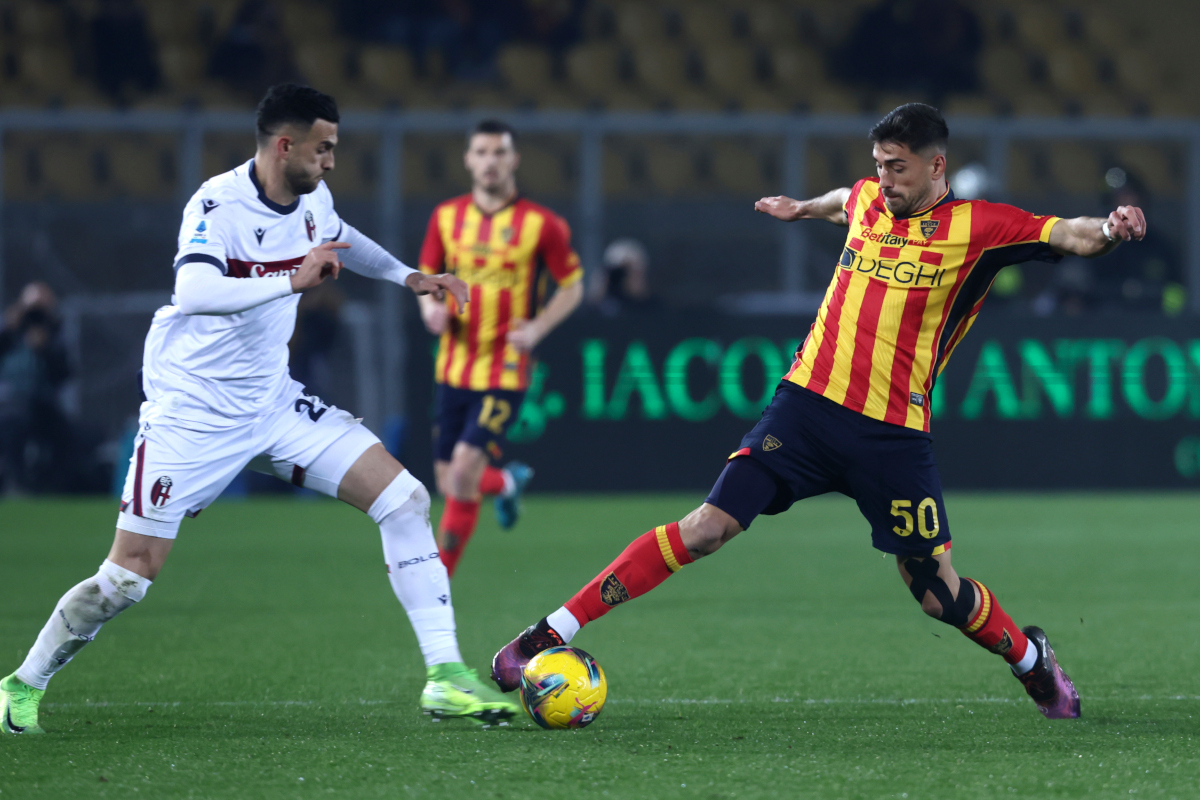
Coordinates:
[796,131]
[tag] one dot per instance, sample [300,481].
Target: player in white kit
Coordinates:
[219,397]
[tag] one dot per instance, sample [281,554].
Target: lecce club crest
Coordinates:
[160,492]
[310,226]
[929,227]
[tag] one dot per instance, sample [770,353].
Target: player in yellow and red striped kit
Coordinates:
[508,250]
[852,414]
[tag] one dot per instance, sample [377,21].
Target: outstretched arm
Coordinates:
[830,206]
[1085,236]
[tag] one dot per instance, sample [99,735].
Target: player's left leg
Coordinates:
[380,485]
[345,460]
[893,476]
[968,605]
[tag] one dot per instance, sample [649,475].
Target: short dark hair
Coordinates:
[492,126]
[915,125]
[292,104]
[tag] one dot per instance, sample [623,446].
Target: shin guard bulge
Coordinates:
[77,619]
[993,628]
[457,526]
[415,571]
[648,561]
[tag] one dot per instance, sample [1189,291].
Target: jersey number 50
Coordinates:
[929,529]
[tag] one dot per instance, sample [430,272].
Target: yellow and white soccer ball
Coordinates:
[563,687]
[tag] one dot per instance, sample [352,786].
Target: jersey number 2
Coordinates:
[314,405]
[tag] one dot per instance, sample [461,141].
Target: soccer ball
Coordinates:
[563,687]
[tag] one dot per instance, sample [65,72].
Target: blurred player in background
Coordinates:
[507,249]
[852,415]
[219,397]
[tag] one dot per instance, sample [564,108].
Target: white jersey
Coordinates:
[223,369]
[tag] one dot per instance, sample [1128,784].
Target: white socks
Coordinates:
[1027,661]
[417,574]
[77,619]
[564,623]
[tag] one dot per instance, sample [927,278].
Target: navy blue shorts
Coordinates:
[477,418]
[810,445]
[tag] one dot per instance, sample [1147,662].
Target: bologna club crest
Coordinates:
[310,225]
[160,493]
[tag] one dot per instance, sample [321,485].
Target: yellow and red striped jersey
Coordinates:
[905,292]
[506,259]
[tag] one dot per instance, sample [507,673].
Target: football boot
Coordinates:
[1046,683]
[453,691]
[508,504]
[509,663]
[19,706]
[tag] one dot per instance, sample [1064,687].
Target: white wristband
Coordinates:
[1107,233]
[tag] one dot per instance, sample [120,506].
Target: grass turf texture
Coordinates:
[270,659]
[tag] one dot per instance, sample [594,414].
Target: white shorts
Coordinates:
[180,466]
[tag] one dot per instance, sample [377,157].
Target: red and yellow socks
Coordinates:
[648,561]
[993,629]
[455,529]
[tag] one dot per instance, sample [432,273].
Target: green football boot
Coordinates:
[455,691]
[19,706]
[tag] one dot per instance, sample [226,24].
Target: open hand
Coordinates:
[1127,223]
[320,263]
[438,285]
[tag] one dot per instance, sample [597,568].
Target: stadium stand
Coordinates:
[1035,59]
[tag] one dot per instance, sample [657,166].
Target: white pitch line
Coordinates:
[808,701]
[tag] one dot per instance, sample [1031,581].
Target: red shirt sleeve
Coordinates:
[1011,235]
[1007,225]
[433,251]
[554,248]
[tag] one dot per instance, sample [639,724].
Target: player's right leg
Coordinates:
[121,581]
[461,513]
[166,481]
[744,490]
[470,434]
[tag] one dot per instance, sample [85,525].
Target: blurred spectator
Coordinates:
[922,47]
[318,320]
[622,286]
[556,24]
[465,35]
[254,52]
[34,432]
[123,50]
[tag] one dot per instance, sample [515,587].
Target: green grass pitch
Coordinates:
[270,659]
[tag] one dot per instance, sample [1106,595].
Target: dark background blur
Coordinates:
[652,127]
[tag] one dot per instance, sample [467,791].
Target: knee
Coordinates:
[706,530]
[404,494]
[936,597]
[931,605]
